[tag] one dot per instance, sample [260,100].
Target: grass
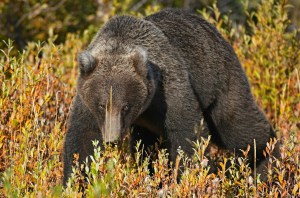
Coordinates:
[37,86]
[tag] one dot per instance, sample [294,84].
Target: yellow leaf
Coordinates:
[295,189]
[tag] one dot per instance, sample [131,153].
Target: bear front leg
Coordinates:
[148,142]
[82,129]
[183,114]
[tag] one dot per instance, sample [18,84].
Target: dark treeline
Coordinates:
[33,20]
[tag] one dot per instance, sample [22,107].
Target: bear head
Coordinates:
[116,87]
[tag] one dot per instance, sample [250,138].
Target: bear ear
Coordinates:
[139,58]
[86,62]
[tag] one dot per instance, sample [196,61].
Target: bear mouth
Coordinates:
[116,143]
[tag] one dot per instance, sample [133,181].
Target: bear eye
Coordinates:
[125,108]
[102,107]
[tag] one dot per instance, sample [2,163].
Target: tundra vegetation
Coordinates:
[38,84]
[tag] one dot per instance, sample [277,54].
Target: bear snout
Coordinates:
[111,130]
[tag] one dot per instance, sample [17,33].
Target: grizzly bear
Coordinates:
[160,76]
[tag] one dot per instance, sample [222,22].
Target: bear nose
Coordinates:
[115,143]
